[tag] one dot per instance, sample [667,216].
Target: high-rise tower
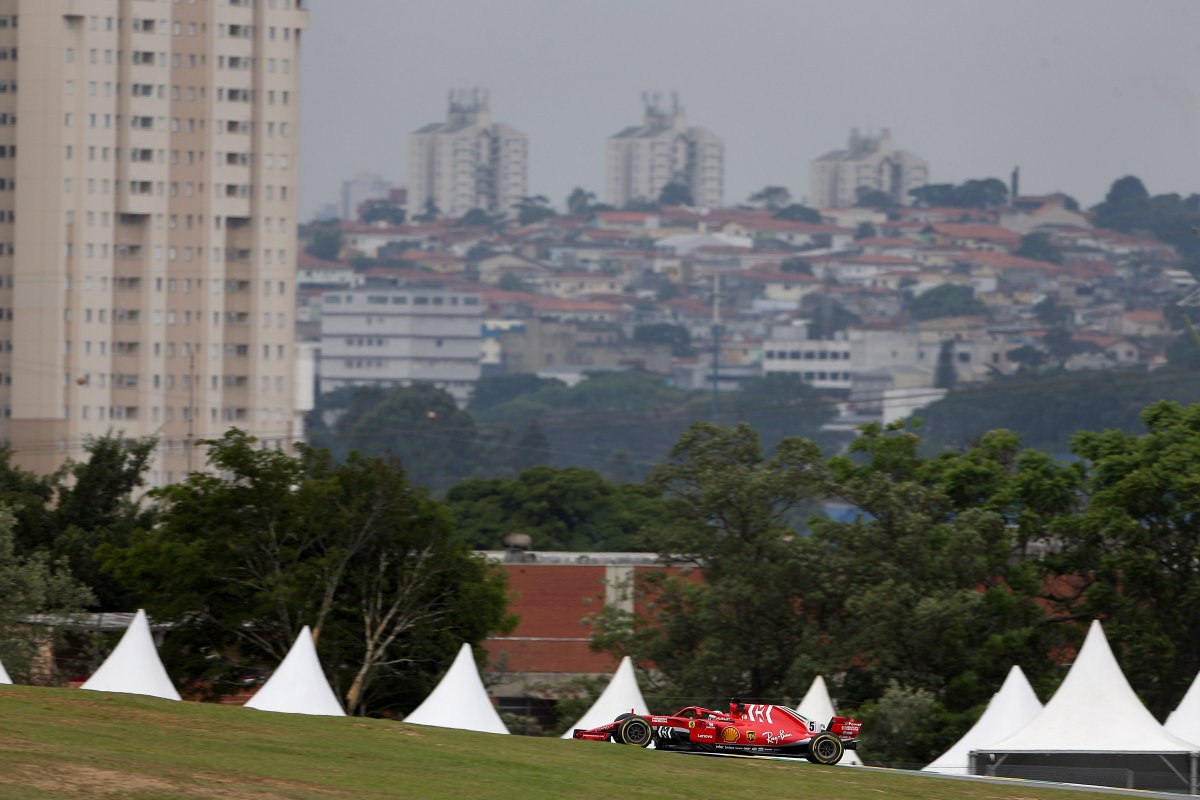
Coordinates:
[467,162]
[147,223]
[642,159]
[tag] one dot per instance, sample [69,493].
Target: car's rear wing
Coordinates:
[843,727]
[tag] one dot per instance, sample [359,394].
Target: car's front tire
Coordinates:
[635,731]
[825,748]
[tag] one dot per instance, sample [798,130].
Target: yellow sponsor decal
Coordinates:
[749,736]
[691,723]
[730,734]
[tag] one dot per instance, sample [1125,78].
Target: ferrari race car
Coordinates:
[751,729]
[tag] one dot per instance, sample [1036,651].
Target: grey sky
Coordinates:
[1077,92]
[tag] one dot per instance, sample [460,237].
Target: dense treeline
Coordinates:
[953,565]
[619,424]
[952,568]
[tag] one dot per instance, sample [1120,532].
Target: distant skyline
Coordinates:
[1075,92]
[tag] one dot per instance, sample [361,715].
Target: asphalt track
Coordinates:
[1070,787]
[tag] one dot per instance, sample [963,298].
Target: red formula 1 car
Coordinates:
[751,729]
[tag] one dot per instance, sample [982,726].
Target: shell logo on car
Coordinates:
[730,734]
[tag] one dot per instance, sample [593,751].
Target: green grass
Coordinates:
[64,743]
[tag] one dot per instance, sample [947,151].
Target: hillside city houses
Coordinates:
[829,299]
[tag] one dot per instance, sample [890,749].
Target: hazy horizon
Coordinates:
[1076,93]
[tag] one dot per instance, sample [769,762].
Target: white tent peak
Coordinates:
[818,706]
[133,667]
[1184,721]
[1009,710]
[459,700]
[621,696]
[1095,710]
[299,685]
[4,675]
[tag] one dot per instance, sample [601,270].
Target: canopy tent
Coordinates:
[818,706]
[298,686]
[1094,731]
[1184,721]
[1009,710]
[133,667]
[459,700]
[4,675]
[621,696]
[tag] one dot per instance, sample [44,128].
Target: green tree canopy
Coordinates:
[738,630]
[569,509]
[974,193]
[799,213]
[325,240]
[1039,247]
[772,198]
[675,194]
[532,209]
[947,300]
[243,556]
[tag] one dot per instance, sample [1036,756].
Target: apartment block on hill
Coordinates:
[148,167]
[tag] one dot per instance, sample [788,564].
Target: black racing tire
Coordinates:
[825,748]
[635,731]
[620,717]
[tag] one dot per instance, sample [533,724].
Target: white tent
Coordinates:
[1009,710]
[4,675]
[1184,721]
[621,696]
[818,706]
[459,700]
[1095,730]
[133,667]
[299,685]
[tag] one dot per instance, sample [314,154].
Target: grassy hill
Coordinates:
[65,743]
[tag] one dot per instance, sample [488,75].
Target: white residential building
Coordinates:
[401,334]
[834,363]
[467,162]
[148,170]
[868,162]
[642,159]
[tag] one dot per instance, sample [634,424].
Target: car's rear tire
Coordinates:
[825,748]
[635,731]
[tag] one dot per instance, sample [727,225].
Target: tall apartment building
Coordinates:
[642,159]
[467,162]
[868,162]
[148,196]
[399,334]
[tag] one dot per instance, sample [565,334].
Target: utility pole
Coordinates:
[716,341]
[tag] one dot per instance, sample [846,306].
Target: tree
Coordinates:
[867,197]
[1134,546]
[985,193]
[495,390]
[245,555]
[827,316]
[727,505]
[533,209]
[381,210]
[796,264]
[430,213]
[477,218]
[946,374]
[580,202]
[799,213]
[1027,357]
[675,194]
[31,584]
[511,282]
[1038,247]
[325,241]
[947,300]
[1050,312]
[772,198]
[1059,344]
[95,508]
[560,509]
[865,230]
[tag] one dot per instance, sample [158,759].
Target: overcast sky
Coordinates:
[1076,92]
